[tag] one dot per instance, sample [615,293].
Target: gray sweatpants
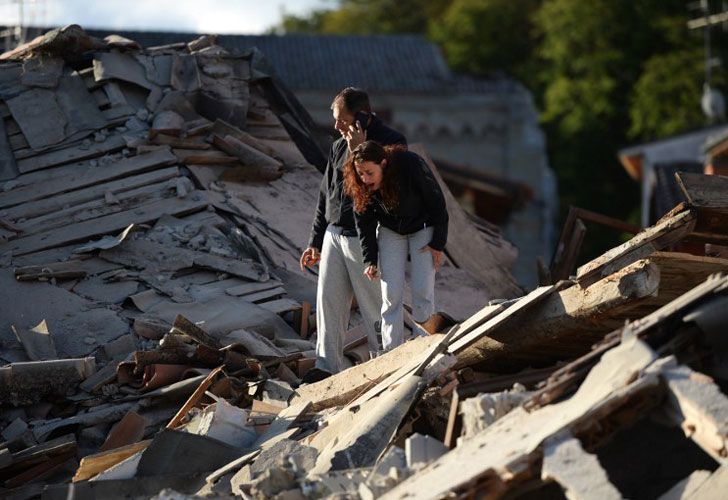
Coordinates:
[341,277]
[393,251]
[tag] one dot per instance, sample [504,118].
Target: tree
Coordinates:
[483,36]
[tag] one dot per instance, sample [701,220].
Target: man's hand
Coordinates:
[371,272]
[355,136]
[436,256]
[309,257]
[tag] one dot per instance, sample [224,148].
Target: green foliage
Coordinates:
[367,17]
[483,36]
[666,97]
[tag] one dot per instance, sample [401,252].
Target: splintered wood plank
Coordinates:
[106,225]
[343,387]
[700,408]
[73,181]
[579,473]
[40,117]
[650,240]
[562,325]
[88,193]
[526,302]
[71,154]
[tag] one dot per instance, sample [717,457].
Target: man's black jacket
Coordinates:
[334,207]
[420,204]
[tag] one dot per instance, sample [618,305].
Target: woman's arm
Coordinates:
[366,226]
[434,201]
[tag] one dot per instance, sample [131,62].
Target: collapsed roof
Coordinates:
[155,323]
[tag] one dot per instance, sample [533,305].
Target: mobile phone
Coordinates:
[362,118]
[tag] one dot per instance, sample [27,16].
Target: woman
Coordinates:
[394,188]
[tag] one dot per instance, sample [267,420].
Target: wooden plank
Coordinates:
[280,306]
[194,398]
[451,431]
[201,157]
[101,207]
[92,465]
[341,388]
[704,191]
[650,240]
[8,168]
[563,324]
[112,144]
[222,128]
[697,404]
[286,419]
[105,225]
[265,295]
[71,182]
[578,472]
[463,341]
[248,288]
[87,193]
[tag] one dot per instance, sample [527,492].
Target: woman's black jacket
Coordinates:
[420,204]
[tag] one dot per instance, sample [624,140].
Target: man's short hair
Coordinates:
[353,100]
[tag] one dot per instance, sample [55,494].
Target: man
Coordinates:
[334,240]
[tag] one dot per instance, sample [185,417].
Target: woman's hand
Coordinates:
[436,256]
[371,272]
[309,257]
[355,136]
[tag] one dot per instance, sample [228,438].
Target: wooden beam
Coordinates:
[651,240]
[341,388]
[563,324]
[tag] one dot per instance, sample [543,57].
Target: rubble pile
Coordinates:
[156,325]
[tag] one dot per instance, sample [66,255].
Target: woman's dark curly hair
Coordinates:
[357,190]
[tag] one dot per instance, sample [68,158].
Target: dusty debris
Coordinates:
[173,355]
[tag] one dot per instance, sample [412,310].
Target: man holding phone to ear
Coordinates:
[334,240]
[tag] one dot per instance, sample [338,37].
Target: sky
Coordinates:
[200,16]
